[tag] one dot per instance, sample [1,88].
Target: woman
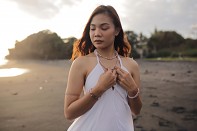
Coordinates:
[109,79]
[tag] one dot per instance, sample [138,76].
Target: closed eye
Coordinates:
[92,29]
[104,28]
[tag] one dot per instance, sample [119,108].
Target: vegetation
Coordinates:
[161,44]
[192,59]
[132,38]
[170,44]
[42,45]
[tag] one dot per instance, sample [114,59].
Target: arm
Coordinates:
[75,105]
[130,82]
[136,103]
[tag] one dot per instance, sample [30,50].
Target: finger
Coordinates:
[121,83]
[123,71]
[108,70]
[114,72]
[118,77]
[105,70]
[116,67]
[119,72]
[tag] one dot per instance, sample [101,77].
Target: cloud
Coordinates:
[145,15]
[137,15]
[43,9]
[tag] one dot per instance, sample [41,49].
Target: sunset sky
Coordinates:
[20,18]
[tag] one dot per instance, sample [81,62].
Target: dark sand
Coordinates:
[34,101]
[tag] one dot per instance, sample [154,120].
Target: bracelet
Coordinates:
[93,95]
[136,95]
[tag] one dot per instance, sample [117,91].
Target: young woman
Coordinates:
[110,80]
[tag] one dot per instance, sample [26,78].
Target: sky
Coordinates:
[21,18]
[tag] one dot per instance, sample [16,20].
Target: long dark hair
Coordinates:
[84,45]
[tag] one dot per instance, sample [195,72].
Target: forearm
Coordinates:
[134,101]
[82,105]
[135,105]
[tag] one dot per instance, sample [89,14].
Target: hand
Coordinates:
[125,80]
[107,79]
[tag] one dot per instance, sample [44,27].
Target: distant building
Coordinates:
[142,48]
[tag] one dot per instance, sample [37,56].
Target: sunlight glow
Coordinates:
[3,62]
[17,24]
[10,72]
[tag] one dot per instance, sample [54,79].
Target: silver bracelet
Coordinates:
[136,95]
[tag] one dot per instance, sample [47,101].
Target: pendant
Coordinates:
[112,87]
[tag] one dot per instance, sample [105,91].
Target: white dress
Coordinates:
[110,113]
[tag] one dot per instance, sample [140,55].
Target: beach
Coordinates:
[34,101]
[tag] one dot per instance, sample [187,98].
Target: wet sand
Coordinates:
[34,101]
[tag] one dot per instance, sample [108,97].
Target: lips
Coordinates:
[98,41]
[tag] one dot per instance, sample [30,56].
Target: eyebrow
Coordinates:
[101,24]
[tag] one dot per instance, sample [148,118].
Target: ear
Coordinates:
[117,31]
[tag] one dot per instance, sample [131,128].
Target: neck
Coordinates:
[106,52]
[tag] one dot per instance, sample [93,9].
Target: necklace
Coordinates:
[107,58]
[115,57]
[105,68]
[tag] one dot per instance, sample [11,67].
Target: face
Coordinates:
[102,31]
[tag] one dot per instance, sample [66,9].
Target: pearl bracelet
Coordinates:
[93,95]
[136,95]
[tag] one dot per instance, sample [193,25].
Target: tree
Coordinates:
[42,45]
[164,44]
[69,46]
[133,40]
[165,40]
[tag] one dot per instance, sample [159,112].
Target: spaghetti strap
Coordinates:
[96,53]
[121,65]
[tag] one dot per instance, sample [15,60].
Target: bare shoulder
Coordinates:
[82,61]
[130,64]
[129,61]
[79,61]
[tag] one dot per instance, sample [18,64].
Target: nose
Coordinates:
[97,33]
